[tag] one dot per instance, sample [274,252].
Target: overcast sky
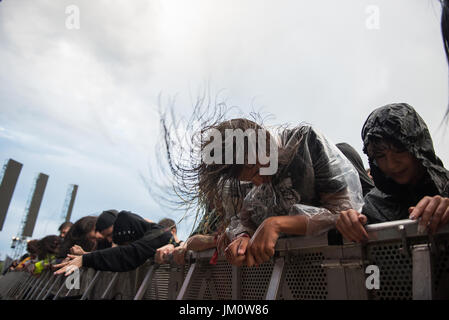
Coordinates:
[81,104]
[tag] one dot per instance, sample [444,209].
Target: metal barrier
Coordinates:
[411,266]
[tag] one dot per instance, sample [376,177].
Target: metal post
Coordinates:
[236,283]
[91,284]
[109,287]
[44,278]
[51,287]
[59,290]
[17,287]
[422,272]
[145,283]
[276,279]
[70,290]
[33,288]
[23,287]
[45,287]
[186,282]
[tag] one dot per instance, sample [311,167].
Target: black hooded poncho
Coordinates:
[137,240]
[402,124]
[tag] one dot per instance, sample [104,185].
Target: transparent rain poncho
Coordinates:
[317,181]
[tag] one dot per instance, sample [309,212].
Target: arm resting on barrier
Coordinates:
[194,243]
[126,257]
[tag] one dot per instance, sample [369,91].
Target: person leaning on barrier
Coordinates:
[30,256]
[82,233]
[48,248]
[410,180]
[207,234]
[104,229]
[171,225]
[163,252]
[137,241]
[64,228]
[313,183]
[203,238]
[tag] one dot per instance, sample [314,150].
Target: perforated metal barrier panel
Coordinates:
[305,279]
[411,266]
[211,281]
[395,271]
[441,270]
[255,281]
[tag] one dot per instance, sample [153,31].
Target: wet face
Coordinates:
[399,165]
[251,173]
[105,234]
[64,232]
[91,237]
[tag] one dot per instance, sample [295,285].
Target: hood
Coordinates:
[129,227]
[106,219]
[401,123]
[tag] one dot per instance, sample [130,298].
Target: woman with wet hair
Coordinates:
[313,183]
[47,249]
[300,190]
[411,181]
[82,233]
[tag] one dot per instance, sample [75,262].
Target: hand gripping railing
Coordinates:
[412,266]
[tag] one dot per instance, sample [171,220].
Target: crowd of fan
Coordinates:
[91,234]
[319,187]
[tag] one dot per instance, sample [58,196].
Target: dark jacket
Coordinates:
[401,124]
[137,240]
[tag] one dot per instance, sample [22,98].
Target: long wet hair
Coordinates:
[77,235]
[48,245]
[195,186]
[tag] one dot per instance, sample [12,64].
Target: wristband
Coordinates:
[243,234]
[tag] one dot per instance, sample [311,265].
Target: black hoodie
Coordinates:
[402,124]
[140,240]
[356,160]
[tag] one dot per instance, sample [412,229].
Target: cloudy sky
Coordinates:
[80,104]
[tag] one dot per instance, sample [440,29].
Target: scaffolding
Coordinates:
[69,202]
[29,217]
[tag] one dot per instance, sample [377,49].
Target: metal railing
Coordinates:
[409,265]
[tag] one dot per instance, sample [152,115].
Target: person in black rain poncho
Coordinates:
[137,241]
[411,181]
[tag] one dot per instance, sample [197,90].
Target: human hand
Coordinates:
[433,211]
[163,252]
[68,267]
[77,250]
[179,255]
[236,251]
[351,223]
[263,243]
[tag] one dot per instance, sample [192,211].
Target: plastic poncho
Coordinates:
[232,201]
[389,200]
[317,180]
